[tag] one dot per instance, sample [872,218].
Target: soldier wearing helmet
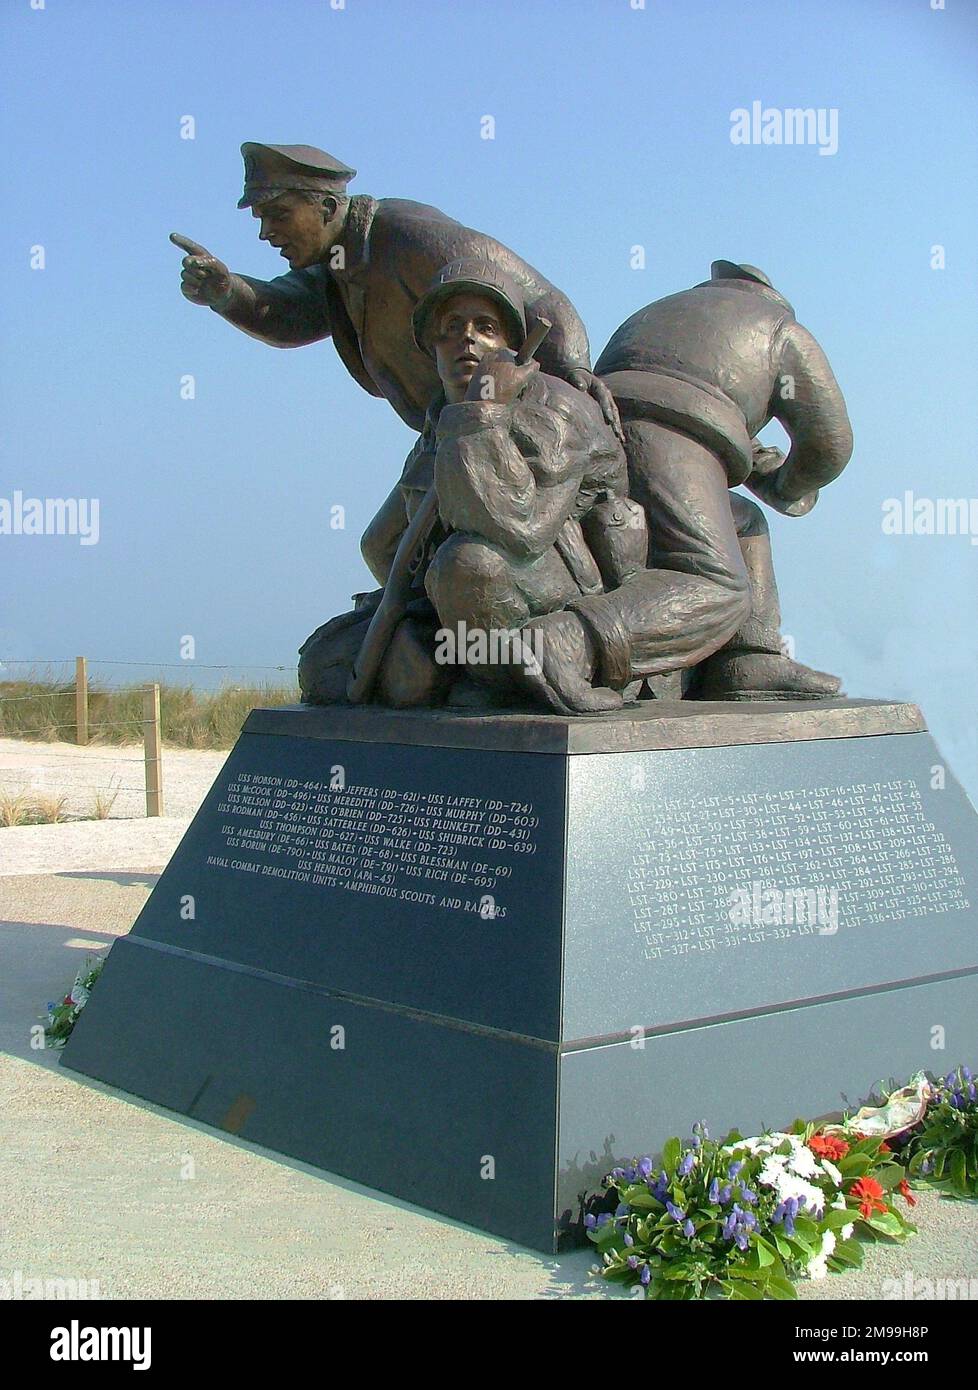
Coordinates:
[522,465]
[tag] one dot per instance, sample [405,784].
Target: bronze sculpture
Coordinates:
[628,574]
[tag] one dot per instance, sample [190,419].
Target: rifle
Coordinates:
[407,559]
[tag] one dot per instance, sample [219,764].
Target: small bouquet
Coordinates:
[746,1218]
[61,1017]
[941,1151]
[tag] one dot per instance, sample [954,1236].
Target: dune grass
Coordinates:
[190,718]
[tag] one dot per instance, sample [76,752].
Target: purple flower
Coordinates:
[617,1173]
[622,1209]
[603,1219]
[735,1168]
[696,1141]
[646,1275]
[746,1195]
[713,1195]
[972,1093]
[590,1221]
[644,1167]
[686,1167]
[675,1212]
[629,1174]
[966,1073]
[632,1262]
[629,1239]
[726,1192]
[689,1230]
[659,1188]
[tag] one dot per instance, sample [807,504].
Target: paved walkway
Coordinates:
[100,1186]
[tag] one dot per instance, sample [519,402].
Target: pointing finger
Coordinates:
[192,247]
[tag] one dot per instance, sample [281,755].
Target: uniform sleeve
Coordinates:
[379,542]
[808,402]
[289,311]
[509,473]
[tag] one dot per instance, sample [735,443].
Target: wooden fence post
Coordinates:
[153,747]
[81,700]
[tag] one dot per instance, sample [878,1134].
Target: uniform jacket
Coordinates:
[722,359]
[520,475]
[392,250]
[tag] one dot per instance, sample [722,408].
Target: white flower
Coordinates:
[761,1144]
[846,1232]
[772,1170]
[803,1162]
[833,1173]
[840,1202]
[775,1173]
[818,1267]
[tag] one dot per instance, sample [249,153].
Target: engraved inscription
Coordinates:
[408,845]
[732,871]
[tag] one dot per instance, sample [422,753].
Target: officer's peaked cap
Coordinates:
[273,169]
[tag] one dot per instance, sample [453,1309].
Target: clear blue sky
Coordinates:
[612,129]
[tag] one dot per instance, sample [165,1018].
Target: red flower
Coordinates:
[67,999]
[828,1146]
[904,1191]
[869,1192]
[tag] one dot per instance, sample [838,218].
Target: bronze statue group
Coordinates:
[584,516]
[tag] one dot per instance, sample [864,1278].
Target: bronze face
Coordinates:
[301,229]
[467,327]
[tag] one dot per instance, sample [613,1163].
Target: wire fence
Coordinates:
[212,720]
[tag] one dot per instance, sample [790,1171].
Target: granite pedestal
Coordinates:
[475,960]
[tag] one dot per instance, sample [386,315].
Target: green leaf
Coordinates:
[837,1217]
[784,1246]
[781,1288]
[887,1223]
[848,1253]
[959,1175]
[854,1165]
[642,1200]
[744,1289]
[671,1151]
[765,1255]
[888,1175]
